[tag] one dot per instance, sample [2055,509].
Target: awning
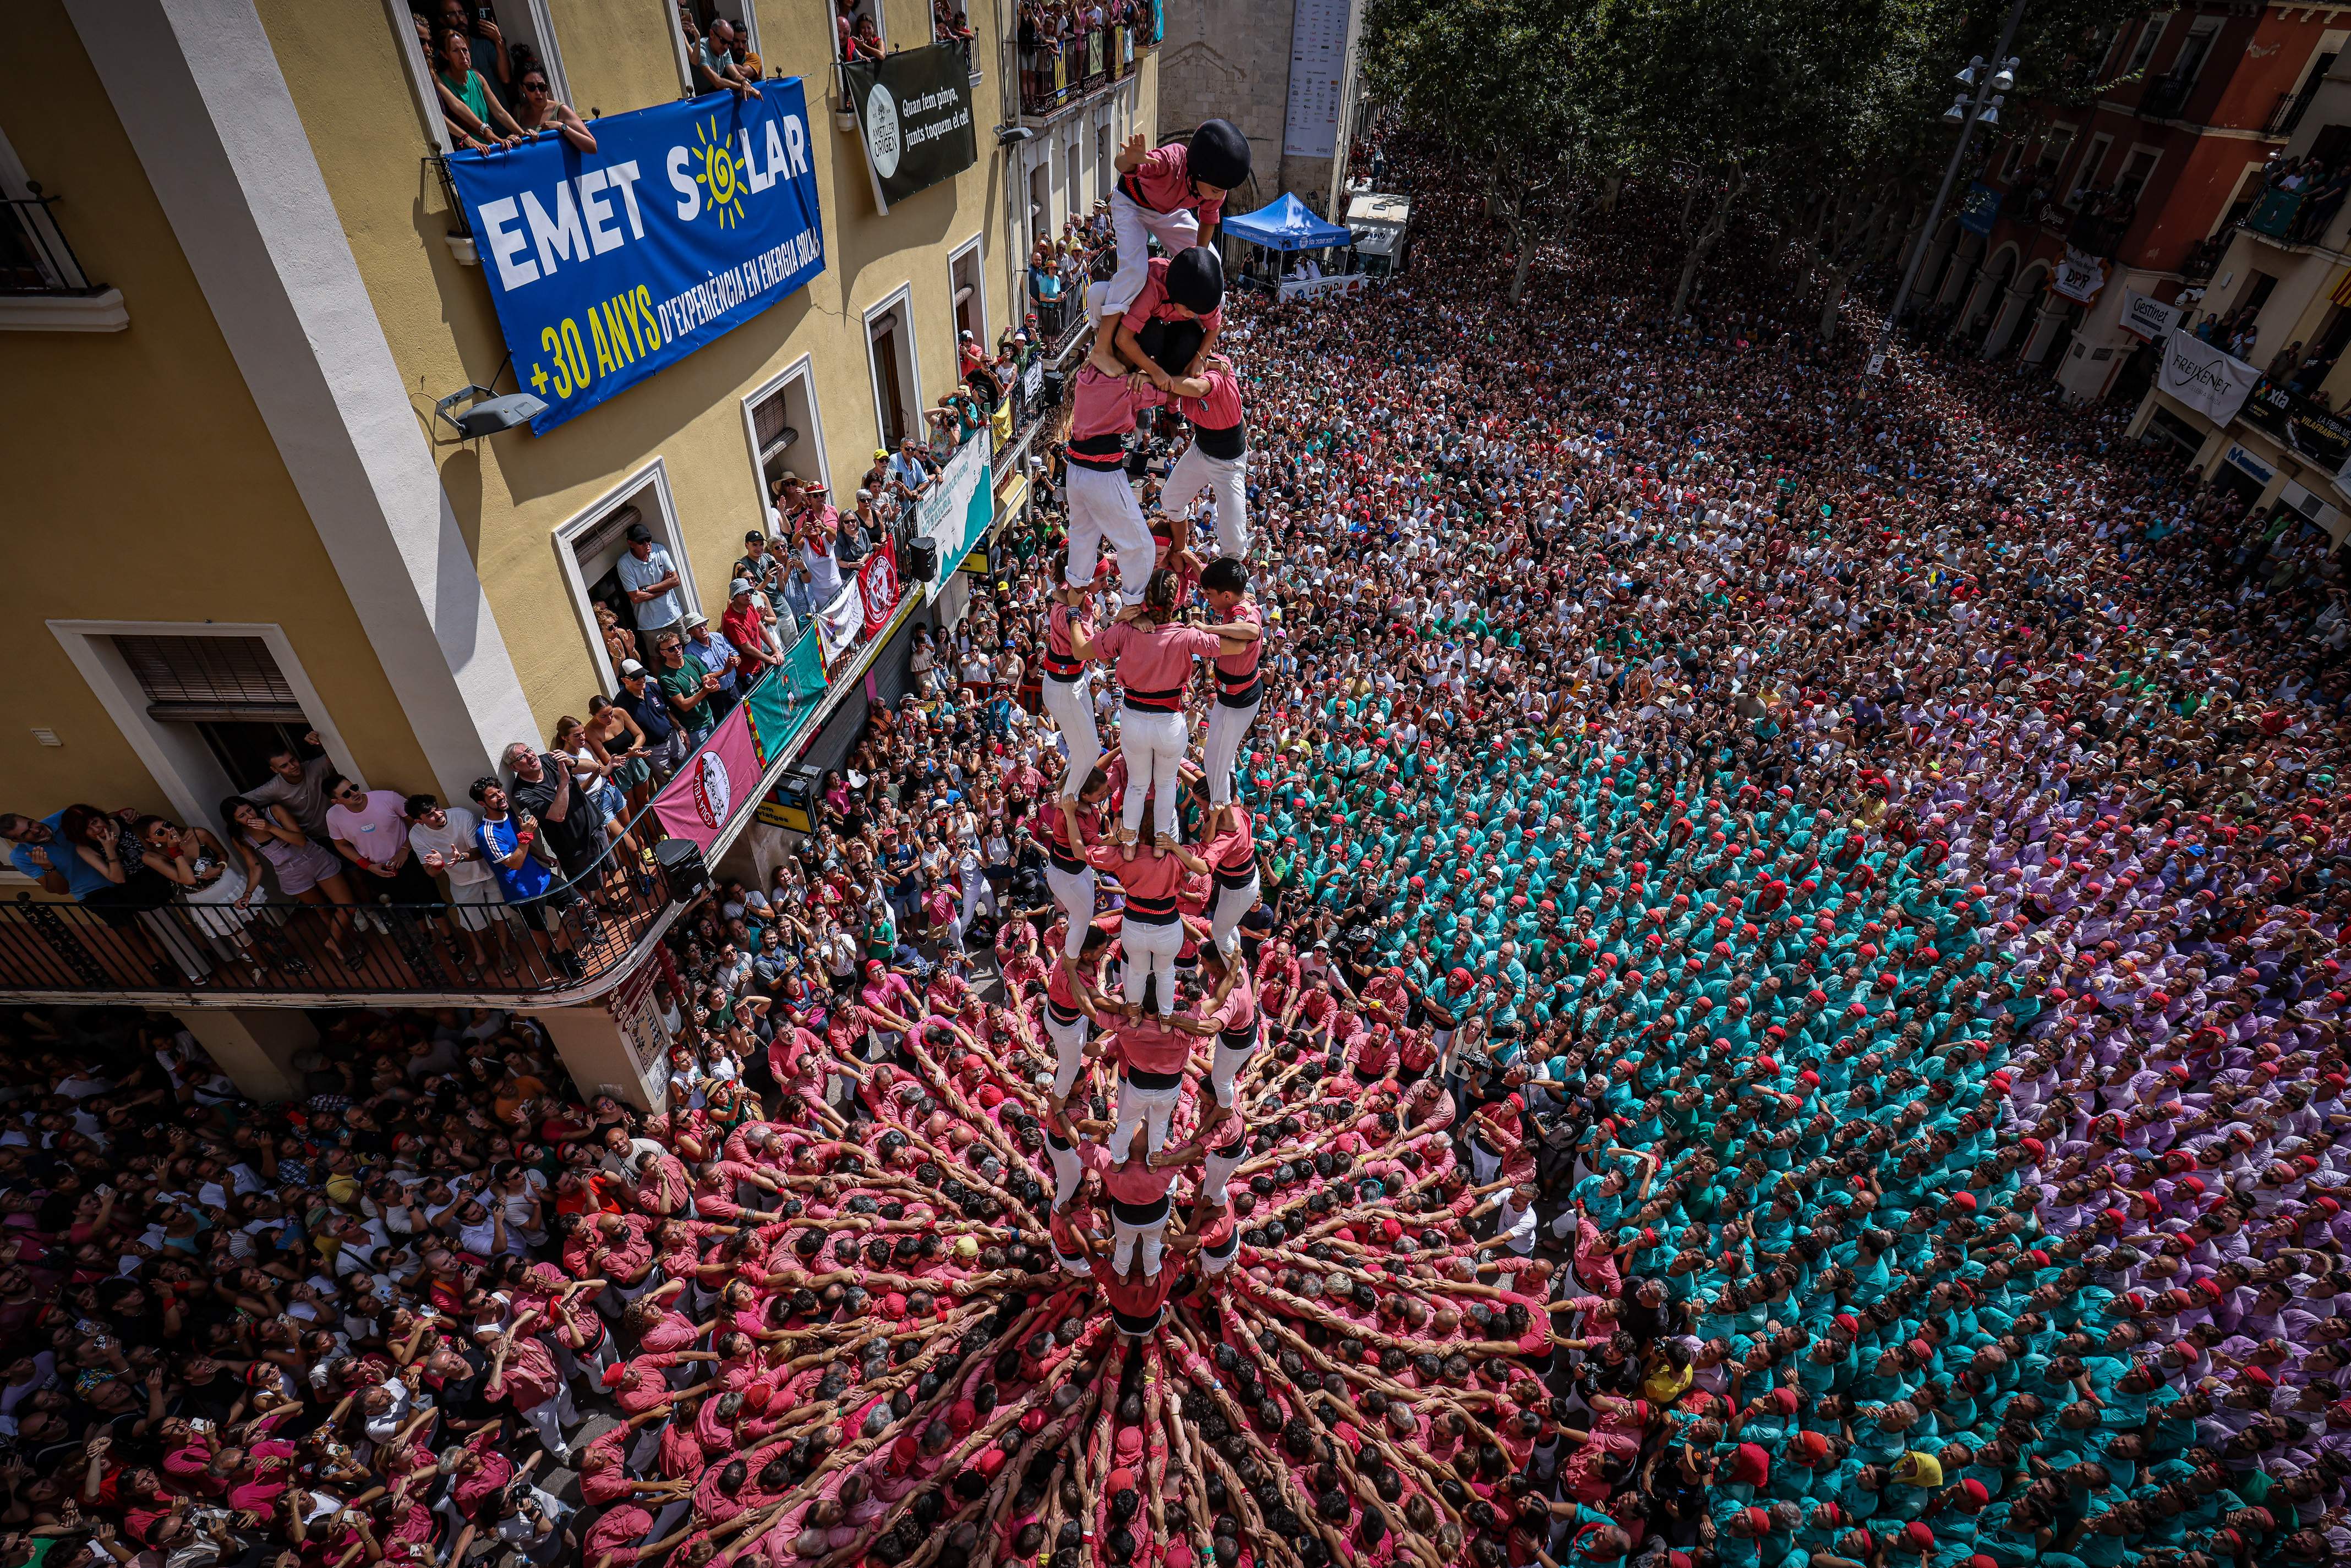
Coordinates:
[1285,224]
[1381,241]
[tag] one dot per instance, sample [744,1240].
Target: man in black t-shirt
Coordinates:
[571,824]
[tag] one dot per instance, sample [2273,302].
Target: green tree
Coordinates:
[1498,83]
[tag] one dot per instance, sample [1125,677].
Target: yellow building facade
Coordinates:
[234,286]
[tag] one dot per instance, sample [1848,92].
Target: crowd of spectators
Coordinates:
[1800,962]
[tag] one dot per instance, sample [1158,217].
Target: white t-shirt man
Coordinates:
[471,880]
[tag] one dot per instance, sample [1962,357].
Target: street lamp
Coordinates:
[1977,106]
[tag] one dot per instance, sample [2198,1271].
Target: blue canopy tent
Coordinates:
[1288,224]
[1285,224]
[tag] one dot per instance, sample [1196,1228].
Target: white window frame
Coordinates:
[551,51]
[678,48]
[902,300]
[803,369]
[2073,135]
[881,23]
[181,765]
[662,519]
[2196,28]
[2135,149]
[2150,38]
[971,247]
[420,73]
[100,312]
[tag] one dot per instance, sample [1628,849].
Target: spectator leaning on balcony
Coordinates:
[485,45]
[749,626]
[642,698]
[747,63]
[445,841]
[538,108]
[510,841]
[714,62]
[475,119]
[687,686]
[650,576]
[546,786]
[910,476]
[370,831]
[719,655]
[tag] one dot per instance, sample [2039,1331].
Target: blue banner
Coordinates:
[688,220]
[1979,208]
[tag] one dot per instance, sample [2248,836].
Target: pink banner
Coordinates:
[878,579]
[718,784]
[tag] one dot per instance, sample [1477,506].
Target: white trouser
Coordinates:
[1227,727]
[1073,891]
[1077,1265]
[1214,1262]
[1102,509]
[1225,916]
[1069,1053]
[549,1417]
[976,895]
[1226,1066]
[1123,1237]
[1151,950]
[1217,1171]
[1068,1171]
[1070,705]
[1487,1166]
[1221,477]
[1135,227]
[1153,745]
[1151,1107]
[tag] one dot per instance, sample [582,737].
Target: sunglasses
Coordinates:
[534,87]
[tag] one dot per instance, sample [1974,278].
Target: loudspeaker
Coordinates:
[1048,394]
[923,560]
[680,862]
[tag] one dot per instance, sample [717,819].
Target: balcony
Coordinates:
[2285,116]
[320,953]
[1059,76]
[42,285]
[2203,258]
[2097,229]
[2164,97]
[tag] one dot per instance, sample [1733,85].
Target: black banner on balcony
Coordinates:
[914,108]
[2315,434]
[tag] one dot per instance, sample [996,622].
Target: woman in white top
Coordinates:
[219,879]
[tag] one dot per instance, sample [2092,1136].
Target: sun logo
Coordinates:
[720,178]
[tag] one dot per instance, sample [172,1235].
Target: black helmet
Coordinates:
[1196,279]
[1219,154]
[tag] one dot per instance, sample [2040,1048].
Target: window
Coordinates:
[2053,149]
[2249,190]
[2195,49]
[897,380]
[2135,170]
[1040,202]
[2148,35]
[2014,161]
[2086,177]
[745,19]
[2256,291]
[589,548]
[786,437]
[858,31]
[1105,173]
[966,292]
[200,703]
[42,284]
[506,38]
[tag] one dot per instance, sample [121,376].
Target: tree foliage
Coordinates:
[1821,117]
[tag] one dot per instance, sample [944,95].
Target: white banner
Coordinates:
[946,510]
[1301,287]
[2079,276]
[2210,381]
[840,623]
[2145,316]
[1318,69]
